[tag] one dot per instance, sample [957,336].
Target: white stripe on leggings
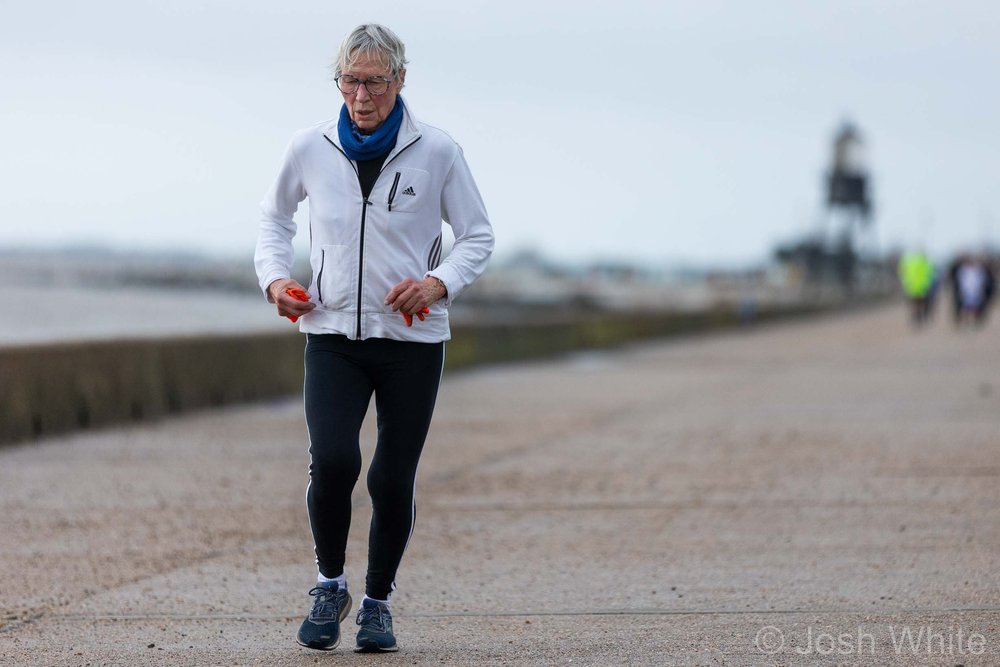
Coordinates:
[413,492]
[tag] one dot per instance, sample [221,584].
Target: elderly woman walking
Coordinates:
[375,313]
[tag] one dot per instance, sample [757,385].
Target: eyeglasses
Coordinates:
[377,85]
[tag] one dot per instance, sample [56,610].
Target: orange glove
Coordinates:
[298,295]
[420,314]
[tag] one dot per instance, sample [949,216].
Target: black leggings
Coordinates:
[341,375]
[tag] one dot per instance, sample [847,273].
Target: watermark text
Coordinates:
[900,640]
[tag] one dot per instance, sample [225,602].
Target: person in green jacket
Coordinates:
[917,277]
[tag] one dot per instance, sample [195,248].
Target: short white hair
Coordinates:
[375,41]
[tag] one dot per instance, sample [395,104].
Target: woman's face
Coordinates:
[369,111]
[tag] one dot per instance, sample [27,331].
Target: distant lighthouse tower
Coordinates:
[848,204]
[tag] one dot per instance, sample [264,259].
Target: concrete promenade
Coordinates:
[823,492]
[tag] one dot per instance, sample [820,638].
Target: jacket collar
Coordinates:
[408,131]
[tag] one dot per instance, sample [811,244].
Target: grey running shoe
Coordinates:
[321,629]
[375,635]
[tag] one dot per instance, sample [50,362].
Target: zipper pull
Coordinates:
[392,191]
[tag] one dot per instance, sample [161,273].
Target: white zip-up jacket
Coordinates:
[360,249]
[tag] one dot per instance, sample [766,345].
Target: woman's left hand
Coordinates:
[410,296]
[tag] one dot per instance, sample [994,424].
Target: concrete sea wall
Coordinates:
[56,388]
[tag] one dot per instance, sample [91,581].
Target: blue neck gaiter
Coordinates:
[360,146]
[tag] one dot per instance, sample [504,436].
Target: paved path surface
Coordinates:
[827,490]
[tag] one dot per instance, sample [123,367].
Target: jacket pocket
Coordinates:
[335,278]
[409,191]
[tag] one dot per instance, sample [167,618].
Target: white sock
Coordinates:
[385,602]
[341,580]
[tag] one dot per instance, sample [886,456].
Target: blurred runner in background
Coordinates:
[917,277]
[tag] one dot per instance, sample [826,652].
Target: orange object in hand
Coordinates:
[298,295]
[420,314]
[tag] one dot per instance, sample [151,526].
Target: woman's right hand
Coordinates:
[289,306]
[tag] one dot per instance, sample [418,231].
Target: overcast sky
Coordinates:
[694,130]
